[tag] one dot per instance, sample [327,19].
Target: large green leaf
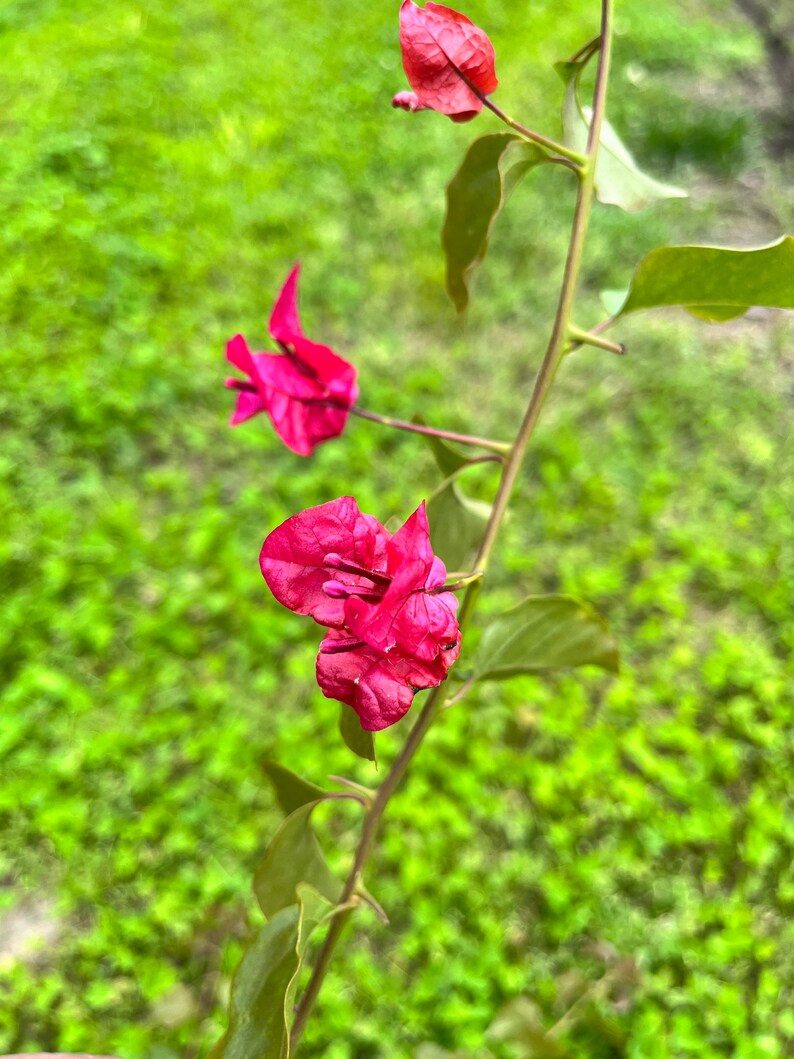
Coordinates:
[457,524]
[618,180]
[293,856]
[360,742]
[544,632]
[291,790]
[491,169]
[715,283]
[264,985]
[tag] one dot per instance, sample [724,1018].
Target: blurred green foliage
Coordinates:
[163,165]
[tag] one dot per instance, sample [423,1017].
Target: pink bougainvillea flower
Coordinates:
[449,62]
[307,390]
[393,628]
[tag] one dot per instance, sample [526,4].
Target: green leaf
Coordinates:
[714,283]
[457,524]
[360,742]
[293,856]
[291,790]
[264,985]
[544,632]
[257,1027]
[491,169]
[449,458]
[618,180]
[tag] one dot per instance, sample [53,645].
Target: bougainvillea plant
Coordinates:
[394,626]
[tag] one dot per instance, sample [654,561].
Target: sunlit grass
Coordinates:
[163,166]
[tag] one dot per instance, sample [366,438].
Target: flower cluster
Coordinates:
[449,62]
[307,390]
[392,627]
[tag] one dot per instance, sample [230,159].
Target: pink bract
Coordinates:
[307,390]
[449,62]
[394,630]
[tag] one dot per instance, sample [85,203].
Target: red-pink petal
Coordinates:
[408,101]
[238,354]
[293,555]
[306,410]
[304,426]
[410,547]
[275,371]
[248,404]
[409,619]
[379,689]
[284,321]
[307,391]
[438,45]
[336,374]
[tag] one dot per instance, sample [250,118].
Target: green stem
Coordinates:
[512,465]
[500,447]
[530,134]
[579,337]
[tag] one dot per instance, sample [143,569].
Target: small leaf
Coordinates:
[715,283]
[256,1004]
[264,985]
[457,524]
[618,180]
[449,458]
[293,856]
[544,632]
[492,167]
[360,742]
[291,790]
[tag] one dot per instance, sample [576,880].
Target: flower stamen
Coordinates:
[333,561]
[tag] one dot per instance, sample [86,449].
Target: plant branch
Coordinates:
[530,134]
[511,468]
[587,51]
[522,130]
[578,337]
[499,447]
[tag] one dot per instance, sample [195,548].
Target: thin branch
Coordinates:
[499,447]
[590,338]
[530,134]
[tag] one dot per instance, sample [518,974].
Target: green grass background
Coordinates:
[163,164]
